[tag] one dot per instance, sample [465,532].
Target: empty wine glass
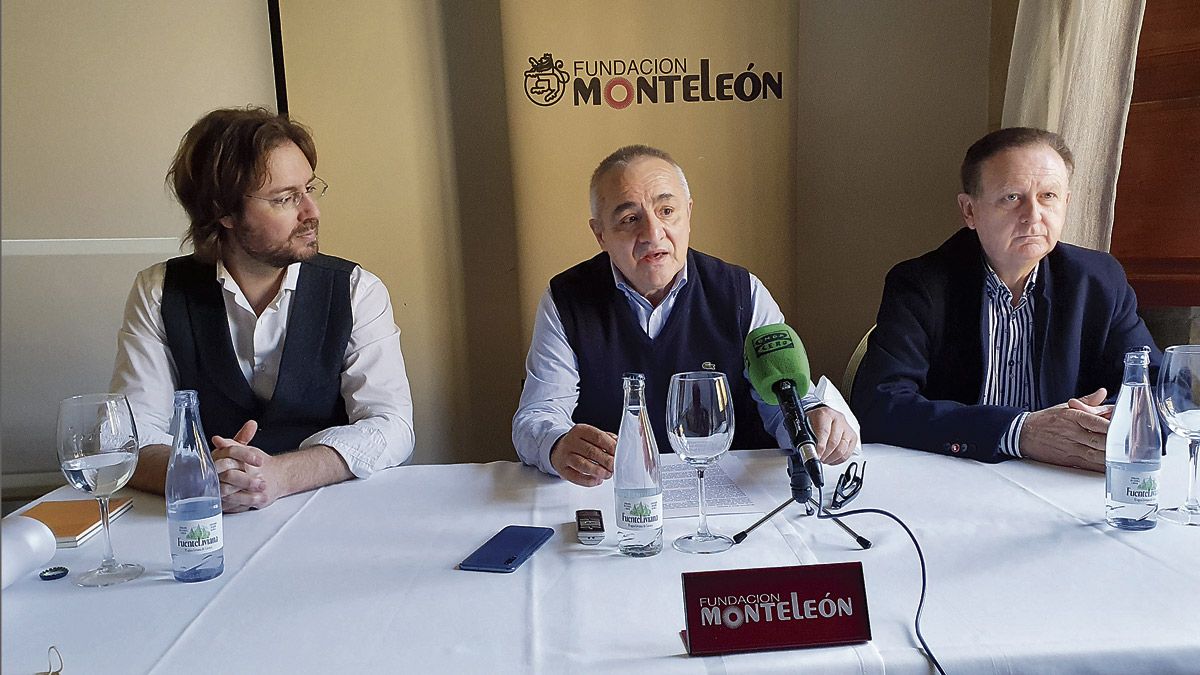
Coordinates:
[98,451]
[1179,400]
[700,429]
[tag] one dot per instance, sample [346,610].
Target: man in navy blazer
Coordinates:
[1002,342]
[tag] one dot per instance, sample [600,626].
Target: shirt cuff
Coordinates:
[546,444]
[361,447]
[156,437]
[1010,442]
[810,402]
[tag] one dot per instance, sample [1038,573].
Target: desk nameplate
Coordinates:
[775,608]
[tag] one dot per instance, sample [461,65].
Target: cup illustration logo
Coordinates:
[545,81]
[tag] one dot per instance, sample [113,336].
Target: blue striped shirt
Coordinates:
[1008,378]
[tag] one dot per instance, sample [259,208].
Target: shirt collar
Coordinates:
[995,287]
[624,286]
[289,277]
[229,284]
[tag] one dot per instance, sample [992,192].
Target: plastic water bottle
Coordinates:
[636,480]
[1133,453]
[193,497]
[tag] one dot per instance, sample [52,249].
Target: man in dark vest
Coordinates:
[649,304]
[295,354]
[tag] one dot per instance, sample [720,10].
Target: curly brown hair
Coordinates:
[222,158]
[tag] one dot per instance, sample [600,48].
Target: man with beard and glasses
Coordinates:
[295,354]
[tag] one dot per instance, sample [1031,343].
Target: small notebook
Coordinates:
[74,521]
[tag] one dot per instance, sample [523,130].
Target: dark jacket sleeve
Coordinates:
[1126,330]
[889,395]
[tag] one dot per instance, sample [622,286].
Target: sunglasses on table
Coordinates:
[848,486]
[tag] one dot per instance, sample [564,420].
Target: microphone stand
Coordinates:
[802,494]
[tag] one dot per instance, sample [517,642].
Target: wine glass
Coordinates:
[98,450]
[1179,400]
[700,429]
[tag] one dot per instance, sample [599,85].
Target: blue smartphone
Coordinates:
[507,549]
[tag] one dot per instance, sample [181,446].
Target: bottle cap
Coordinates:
[53,573]
[1138,356]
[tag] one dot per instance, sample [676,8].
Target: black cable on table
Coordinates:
[822,513]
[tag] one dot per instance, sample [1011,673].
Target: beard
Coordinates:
[280,254]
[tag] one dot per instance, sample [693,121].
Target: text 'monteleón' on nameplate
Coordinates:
[775,608]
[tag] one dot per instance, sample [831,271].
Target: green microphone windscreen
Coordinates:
[775,353]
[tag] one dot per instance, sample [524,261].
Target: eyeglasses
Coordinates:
[848,486]
[291,201]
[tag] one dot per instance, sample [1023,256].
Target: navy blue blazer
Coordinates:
[921,379]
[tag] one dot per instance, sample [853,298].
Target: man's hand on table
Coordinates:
[1069,434]
[584,455]
[836,439]
[246,473]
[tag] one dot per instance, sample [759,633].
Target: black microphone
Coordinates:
[801,481]
[778,370]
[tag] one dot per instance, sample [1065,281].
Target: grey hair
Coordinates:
[622,158]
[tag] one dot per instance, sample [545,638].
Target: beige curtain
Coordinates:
[1071,72]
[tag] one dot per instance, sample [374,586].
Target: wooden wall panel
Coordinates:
[1156,228]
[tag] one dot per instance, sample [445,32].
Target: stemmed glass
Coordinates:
[700,429]
[98,450]
[1179,400]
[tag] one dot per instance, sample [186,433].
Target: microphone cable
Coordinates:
[824,514]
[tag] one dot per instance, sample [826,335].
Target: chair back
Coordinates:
[852,367]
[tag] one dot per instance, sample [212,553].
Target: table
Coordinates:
[360,577]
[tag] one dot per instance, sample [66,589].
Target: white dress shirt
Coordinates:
[374,384]
[551,389]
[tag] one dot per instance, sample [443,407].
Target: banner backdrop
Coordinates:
[460,136]
[712,83]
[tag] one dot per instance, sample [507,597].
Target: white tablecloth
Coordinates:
[360,577]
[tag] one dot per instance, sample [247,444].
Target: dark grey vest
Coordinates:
[708,323]
[307,394]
